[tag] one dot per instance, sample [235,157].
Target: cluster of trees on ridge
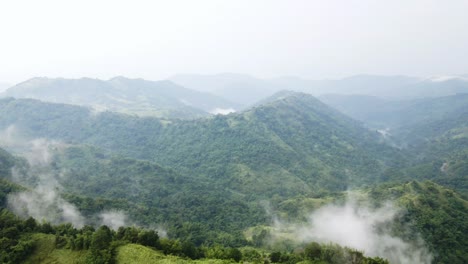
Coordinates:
[17,243]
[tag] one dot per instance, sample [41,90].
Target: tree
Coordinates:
[100,252]
[313,251]
[30,224]
[235,254]
[148,238]
[189,250]
[275,257]
[101,238]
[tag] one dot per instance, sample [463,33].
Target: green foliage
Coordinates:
[297,140]
[152,194]
[295,152]
[6,163]
[106,246]
[15,242]
[223,165]
[313,251]
[335,254]
[7,187]
[100,251]
[438,213]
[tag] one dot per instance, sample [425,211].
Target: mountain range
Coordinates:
[120,94]
[246,90]
[243,179]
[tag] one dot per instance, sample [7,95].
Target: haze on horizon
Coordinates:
[157,39]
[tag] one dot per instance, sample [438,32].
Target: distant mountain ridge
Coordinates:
[120,94]
[190,96]
[246,90]
[399,114]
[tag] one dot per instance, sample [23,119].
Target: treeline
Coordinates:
[17,243]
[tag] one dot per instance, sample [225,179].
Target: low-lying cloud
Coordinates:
[113,219]
[44,201]
[222,111]
[360,227]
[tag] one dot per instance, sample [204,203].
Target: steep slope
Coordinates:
[201,211]
[425,214]
[129,191]
[7,161]
[433,118]
[399,115]
[159,195]
[438,213]
[374,112]
[137,96]
[433,130]
[290,146]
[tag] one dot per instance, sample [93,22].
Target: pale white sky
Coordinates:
[267,38]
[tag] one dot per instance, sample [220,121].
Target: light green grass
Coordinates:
[45,252]
[133,253]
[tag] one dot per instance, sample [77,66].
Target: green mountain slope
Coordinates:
[397,114]
[7,161]
[186,204]
[201,214]
[433,130]
[438,213]
[206,181]
[293,145]
[407,122]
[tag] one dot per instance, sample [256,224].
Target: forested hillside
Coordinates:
[409,120]
[296,144]
[433,131]
[228,181]
[219,132]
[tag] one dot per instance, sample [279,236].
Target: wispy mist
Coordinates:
[222,111]
[360,227]
[113,219]
[44,201]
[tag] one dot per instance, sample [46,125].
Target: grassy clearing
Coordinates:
[46,252]
[133,253]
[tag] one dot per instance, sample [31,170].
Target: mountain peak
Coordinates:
[283,95]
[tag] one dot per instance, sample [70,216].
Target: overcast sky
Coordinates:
[265,38]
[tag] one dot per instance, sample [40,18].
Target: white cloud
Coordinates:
[222,111]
